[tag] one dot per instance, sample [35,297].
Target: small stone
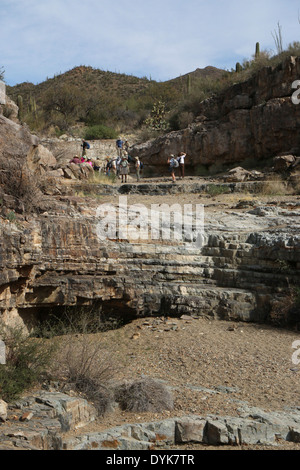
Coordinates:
[26,416]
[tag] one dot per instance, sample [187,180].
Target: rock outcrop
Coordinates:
[41,421]
[245,262]
[254,120]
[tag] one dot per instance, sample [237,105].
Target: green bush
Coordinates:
[27,362]
[216,190]
[100,132]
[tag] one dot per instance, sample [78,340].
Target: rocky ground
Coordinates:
[213,367]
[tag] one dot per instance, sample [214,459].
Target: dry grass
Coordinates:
[88,368]
[274,187]
[145,395]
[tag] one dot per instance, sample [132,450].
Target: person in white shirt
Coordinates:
[137,168]
[181,158]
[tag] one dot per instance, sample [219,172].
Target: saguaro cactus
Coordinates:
[257,50]
[20,106]
[238,67]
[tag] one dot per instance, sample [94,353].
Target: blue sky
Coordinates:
[161,39]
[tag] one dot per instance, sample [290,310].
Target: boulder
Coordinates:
[12,110]
[237,174]
[40,158]
[15,140]
[284,162]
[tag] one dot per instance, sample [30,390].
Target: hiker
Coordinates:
[126,146]
[180,159]
[108,166]
[137,168]
[114,166]
[124,169]
[97,165]
[118,163]
[75,160]
[173,163]
[89,162]
[85,146]
[119,146]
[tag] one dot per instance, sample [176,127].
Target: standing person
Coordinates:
[181,158]
[119,146]
[85,146]
[173,163]
[126,146]
[124,169]
[137,168]
[118,164]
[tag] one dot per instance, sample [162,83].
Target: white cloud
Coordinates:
[161,38]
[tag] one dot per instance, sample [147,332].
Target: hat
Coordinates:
[136,158]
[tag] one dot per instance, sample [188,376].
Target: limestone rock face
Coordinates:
[253,120]
[59,260]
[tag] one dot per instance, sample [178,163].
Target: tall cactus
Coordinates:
[20,106]
[32,106]
[257,50]
[238,67]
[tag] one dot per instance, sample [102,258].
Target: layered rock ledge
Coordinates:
[46,421]
[247,261]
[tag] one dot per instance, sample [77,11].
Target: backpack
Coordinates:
[141,165]
[87,145]
[124,163]
[175,164]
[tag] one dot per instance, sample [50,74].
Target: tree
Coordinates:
[2,73]
[63,101]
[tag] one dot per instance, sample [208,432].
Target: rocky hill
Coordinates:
[94,96]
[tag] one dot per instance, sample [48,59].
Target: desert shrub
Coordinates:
[69,321]
[100,132]
[102,178]
[145,395]
[27,362]
[17,181]
[216,190]
[286,310]
[83,363]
